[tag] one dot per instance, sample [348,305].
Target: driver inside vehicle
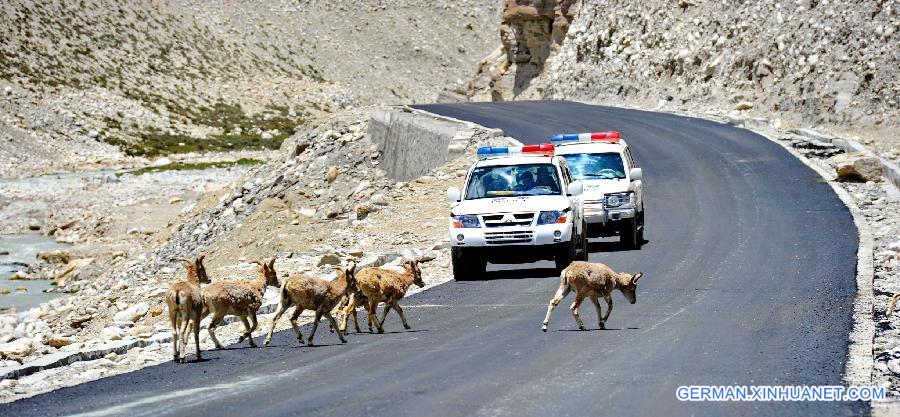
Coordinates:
[493,182]
[546,179]
[525,181]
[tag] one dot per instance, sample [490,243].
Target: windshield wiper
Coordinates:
[498,196]
[604,175]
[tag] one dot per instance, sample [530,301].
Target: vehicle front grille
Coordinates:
[505,238]
[507,220]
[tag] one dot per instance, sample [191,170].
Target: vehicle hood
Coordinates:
[512,204]
[594,189]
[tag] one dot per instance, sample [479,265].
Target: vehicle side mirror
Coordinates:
[636,174]
[575,189]
[453,195]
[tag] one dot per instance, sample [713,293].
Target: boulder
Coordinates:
[16,348]
[374,260]
[79,320]
[91,374]
[378,199]
[112,333]
[133,313]
[161,162]
[363,210]
[894,245]
[55,257]
[59,341]
[362,186]
[329,259]
[331,174]
[332,211]
[141,330]
[71,270]
[856,167]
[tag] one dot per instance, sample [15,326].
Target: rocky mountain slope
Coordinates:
[808,62]
[82,80]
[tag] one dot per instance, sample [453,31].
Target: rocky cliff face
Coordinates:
[530,31]
[808,61]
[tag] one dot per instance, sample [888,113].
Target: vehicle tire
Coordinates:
[628,236]
[565,256]
[640,234]
[585,251]
[467,265]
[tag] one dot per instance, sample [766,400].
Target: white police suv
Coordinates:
[519,205]
[613,195]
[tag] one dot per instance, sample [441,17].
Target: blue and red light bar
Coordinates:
[605,137]
[545,149]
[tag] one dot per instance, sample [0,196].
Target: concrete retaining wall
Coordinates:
[413,142]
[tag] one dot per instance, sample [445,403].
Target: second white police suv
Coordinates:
[519,204]
[613,189]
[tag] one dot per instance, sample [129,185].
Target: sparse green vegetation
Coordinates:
[224,116]
[179,166]
[112,123]
[155,144]
[313,73]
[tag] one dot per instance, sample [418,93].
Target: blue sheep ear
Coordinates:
[636,277]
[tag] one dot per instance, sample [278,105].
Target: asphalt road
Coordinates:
[748,279]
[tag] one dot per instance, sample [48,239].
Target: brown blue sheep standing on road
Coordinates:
[185,301]
[241,298]
[592,280]
[312,293]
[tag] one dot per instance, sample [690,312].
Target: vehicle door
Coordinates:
[636,186]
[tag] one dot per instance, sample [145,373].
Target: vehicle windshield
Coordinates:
[513,181]
[596,166]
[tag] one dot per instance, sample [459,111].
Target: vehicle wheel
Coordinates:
[466,267]
[640,233]
[628,236]
[565,256]
[584,244]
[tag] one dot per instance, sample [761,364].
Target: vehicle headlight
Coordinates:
[623,200]
[465,221]
[553,216]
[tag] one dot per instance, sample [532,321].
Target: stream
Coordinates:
[23,250]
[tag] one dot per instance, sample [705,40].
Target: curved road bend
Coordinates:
[749,279]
